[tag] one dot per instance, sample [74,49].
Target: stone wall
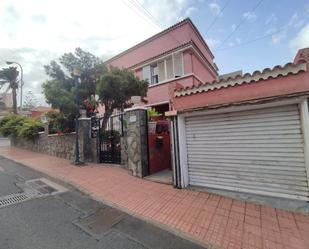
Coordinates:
[134,142]
[54,145]
[64,145]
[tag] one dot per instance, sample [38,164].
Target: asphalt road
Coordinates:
[70,219]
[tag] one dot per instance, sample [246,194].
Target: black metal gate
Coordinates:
[110,140]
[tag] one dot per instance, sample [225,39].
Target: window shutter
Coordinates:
[146,73]
[178,64]
[161,67]
[169,68]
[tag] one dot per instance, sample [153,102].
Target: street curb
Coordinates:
[100,200]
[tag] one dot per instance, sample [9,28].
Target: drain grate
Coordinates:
[42,187]
[45,187]
[14,199]
[98,223]
[34,188]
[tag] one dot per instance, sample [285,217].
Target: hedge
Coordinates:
[19,126]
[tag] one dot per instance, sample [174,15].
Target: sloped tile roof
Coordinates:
[267,73]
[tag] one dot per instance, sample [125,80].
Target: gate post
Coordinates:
[87,144]
[135,141]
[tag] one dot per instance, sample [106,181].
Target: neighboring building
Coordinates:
[7,99]
[39,112]
[176,56]
[246,133]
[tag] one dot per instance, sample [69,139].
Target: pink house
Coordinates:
[177,55]
[238,132]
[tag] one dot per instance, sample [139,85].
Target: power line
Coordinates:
[217,16]
[138,13]
[240,23]
[286,28]
[251,41]
[143,9]
[149,15]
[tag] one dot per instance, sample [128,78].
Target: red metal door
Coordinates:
[159,152]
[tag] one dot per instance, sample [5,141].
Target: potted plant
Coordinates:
[153,115]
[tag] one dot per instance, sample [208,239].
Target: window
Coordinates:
[178,68]
[161,68]
[154,74]
[146,73]
[169,68]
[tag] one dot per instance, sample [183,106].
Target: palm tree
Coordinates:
[9,75]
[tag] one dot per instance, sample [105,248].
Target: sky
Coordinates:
[243,35]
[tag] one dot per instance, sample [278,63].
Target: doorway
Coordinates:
[110,140]
[159,146]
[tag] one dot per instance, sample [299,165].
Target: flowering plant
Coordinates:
[91,106]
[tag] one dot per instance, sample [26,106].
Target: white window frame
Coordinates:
[152,75]
[182,64]
[165,69]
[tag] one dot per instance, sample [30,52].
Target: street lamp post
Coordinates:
[21,81]
[77,74]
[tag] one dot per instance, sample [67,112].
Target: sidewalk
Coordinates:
[214,220]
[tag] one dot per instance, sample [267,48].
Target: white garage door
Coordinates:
[258,151]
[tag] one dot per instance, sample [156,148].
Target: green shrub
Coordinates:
[5,119]
[58,122]
[20,126]
[30,129]
[10,124]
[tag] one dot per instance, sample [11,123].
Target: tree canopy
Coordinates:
[115,89]
[9,75]
[60,94]
[60,89]
[30,100]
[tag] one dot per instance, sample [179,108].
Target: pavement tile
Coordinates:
[267,244]
[252,220]
[213,219]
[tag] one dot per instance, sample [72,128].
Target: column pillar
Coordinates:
[87,144]
[304,114]
[135,141]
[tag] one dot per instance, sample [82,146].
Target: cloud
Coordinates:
[39,18]
[35,32]
[212,42]
[250,16]
[296,21]
[190,10]
[237,40]
[32,61]
[231,44]
[215,8]
[12,12]
[301,40]
[277,38]
[270,30]
[233,27]
[271,20]
[167,12]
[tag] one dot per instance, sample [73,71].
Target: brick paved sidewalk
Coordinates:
[214,220]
